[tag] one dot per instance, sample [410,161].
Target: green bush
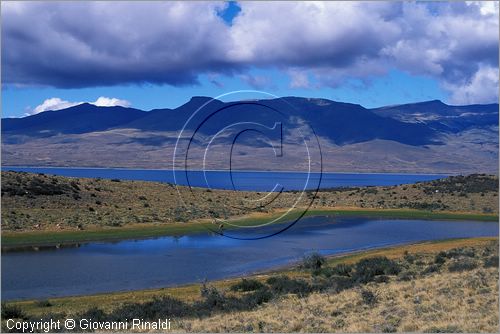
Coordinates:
[368,297]
[342,270]
[440,258]
[491,261]
[313,261]
[94,313]
[43,303]
[367,269]
[247,285]
[284,285]
[152,310]
[433,268]
[462,264]
[12,312]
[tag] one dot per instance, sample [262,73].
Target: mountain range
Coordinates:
[418,137]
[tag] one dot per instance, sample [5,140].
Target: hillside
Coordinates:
[422,137]
[54,203]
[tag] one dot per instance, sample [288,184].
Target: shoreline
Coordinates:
[190,291]
[229,170]
[13,241]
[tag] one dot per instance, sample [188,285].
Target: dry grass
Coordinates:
[458,302]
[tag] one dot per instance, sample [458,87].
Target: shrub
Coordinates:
[313,261]
[368,297]
[339,283]
[153,310]
[433,268]
[440,258]
[212,297]
[247,285]
[12,312]
[43,303]
[94,313]
[367,269]
[491,261]
[284,285]
[462,264]
[260,296]
[407,275]
[342,269]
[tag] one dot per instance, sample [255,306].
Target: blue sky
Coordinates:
[394,88]
[160,55]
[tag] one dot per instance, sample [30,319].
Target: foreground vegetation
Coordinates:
[446,286]
[40,209]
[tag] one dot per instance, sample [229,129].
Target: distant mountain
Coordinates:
[342,123]
[443,117]
[419,137]
[82,118]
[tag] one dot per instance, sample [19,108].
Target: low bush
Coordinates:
[283,285]
[433,268]
[12,312]
[247,285]
[44,303]
[313,261]
[367,269]
[368,297]
[491,261]
[407,275]
[342,270]
[94,313]
[462,264]
[440,258]
[340,283]
[153,310]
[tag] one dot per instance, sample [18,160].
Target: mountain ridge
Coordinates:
[428,136]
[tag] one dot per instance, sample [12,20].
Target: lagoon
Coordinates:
[242,180]
[100,267]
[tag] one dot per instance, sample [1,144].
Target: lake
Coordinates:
[152,263]
[242,180]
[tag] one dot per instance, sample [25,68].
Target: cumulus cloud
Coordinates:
[53,103]
[483,86]
[110,102]
[56,103]
[84,44]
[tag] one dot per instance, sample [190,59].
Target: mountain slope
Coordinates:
[443,117]
[82,118]
[420,137]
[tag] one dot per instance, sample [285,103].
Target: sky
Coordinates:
[150,55]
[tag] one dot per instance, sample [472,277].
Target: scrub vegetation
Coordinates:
[42,209]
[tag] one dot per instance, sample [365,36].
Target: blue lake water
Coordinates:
[242,180]
[166,261]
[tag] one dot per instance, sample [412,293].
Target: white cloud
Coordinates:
[56,103]
[328,43]
[110,102]
[53,103]
[482,88]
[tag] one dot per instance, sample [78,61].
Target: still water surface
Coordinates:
[242,180]
[166,261]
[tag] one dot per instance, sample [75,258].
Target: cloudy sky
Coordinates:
[157,54]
